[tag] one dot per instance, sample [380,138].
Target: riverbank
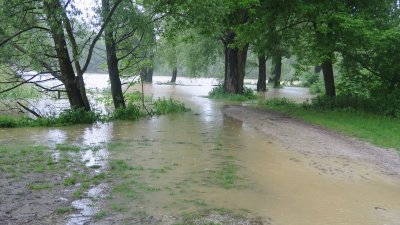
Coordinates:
[314,140]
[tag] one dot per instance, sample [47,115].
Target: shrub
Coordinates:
[76,116]
[384,104]
[165,106]
[131,112]
[218,93]
[7,122]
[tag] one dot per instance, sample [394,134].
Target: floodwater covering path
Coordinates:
[218,156]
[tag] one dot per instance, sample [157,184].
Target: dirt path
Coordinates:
[317,142]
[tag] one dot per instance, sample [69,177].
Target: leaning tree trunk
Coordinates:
[327,70]
[68,78]
[112,62]
[174,74]
[262,73]
[327,65]
[235,65]
[277,70]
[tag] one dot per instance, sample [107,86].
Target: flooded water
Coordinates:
[186,162]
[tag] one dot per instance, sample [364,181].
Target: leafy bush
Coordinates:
[136,98]
[218,93]
[310,78]
[131,112]
[317,88]
[385,104]
[165,106]
[7,122]
[76,116]
[279,102]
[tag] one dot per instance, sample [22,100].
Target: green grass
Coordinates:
[100,215]
[67,147]
[133,111]
[26,159]
[379,130]
[126,190]
[163,106]
[69,181]
[225,175]
[219,93]
[64,210]
[40,186]
[67,117]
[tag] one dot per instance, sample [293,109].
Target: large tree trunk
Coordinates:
[262,73]
[73,85]
[235,65]
[327,70]
[174,74]
[277,69]
[327,66]
[112,62]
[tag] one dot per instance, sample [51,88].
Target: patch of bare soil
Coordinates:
[319,143]
[32,199]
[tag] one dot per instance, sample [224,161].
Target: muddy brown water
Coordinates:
[274,183]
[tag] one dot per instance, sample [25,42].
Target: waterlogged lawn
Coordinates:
[378,130]
[147,184]
[47,173]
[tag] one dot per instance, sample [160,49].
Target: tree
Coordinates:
[219,19]
[129,39]
[262,73]
[49,48]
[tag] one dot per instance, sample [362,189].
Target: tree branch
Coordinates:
[97,37]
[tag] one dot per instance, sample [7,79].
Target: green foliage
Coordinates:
[65,210]
[67,117]
[165,106]
[226,176]
[8,122]
[218,93]
[277,102]
[310,78]
[384,105]
[131,112]
[22,92]
[135,109]
[77,116]
[39,186]
[317,88]
[380,130]
[28,158]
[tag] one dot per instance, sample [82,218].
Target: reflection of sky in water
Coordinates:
[99,133]
[57,136]
[95,158]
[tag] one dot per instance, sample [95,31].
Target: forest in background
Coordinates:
[342,48]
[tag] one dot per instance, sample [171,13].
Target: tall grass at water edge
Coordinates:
[350,116]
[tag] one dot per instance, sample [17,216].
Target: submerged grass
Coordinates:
[133,111]
[379,130]
[224,176]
